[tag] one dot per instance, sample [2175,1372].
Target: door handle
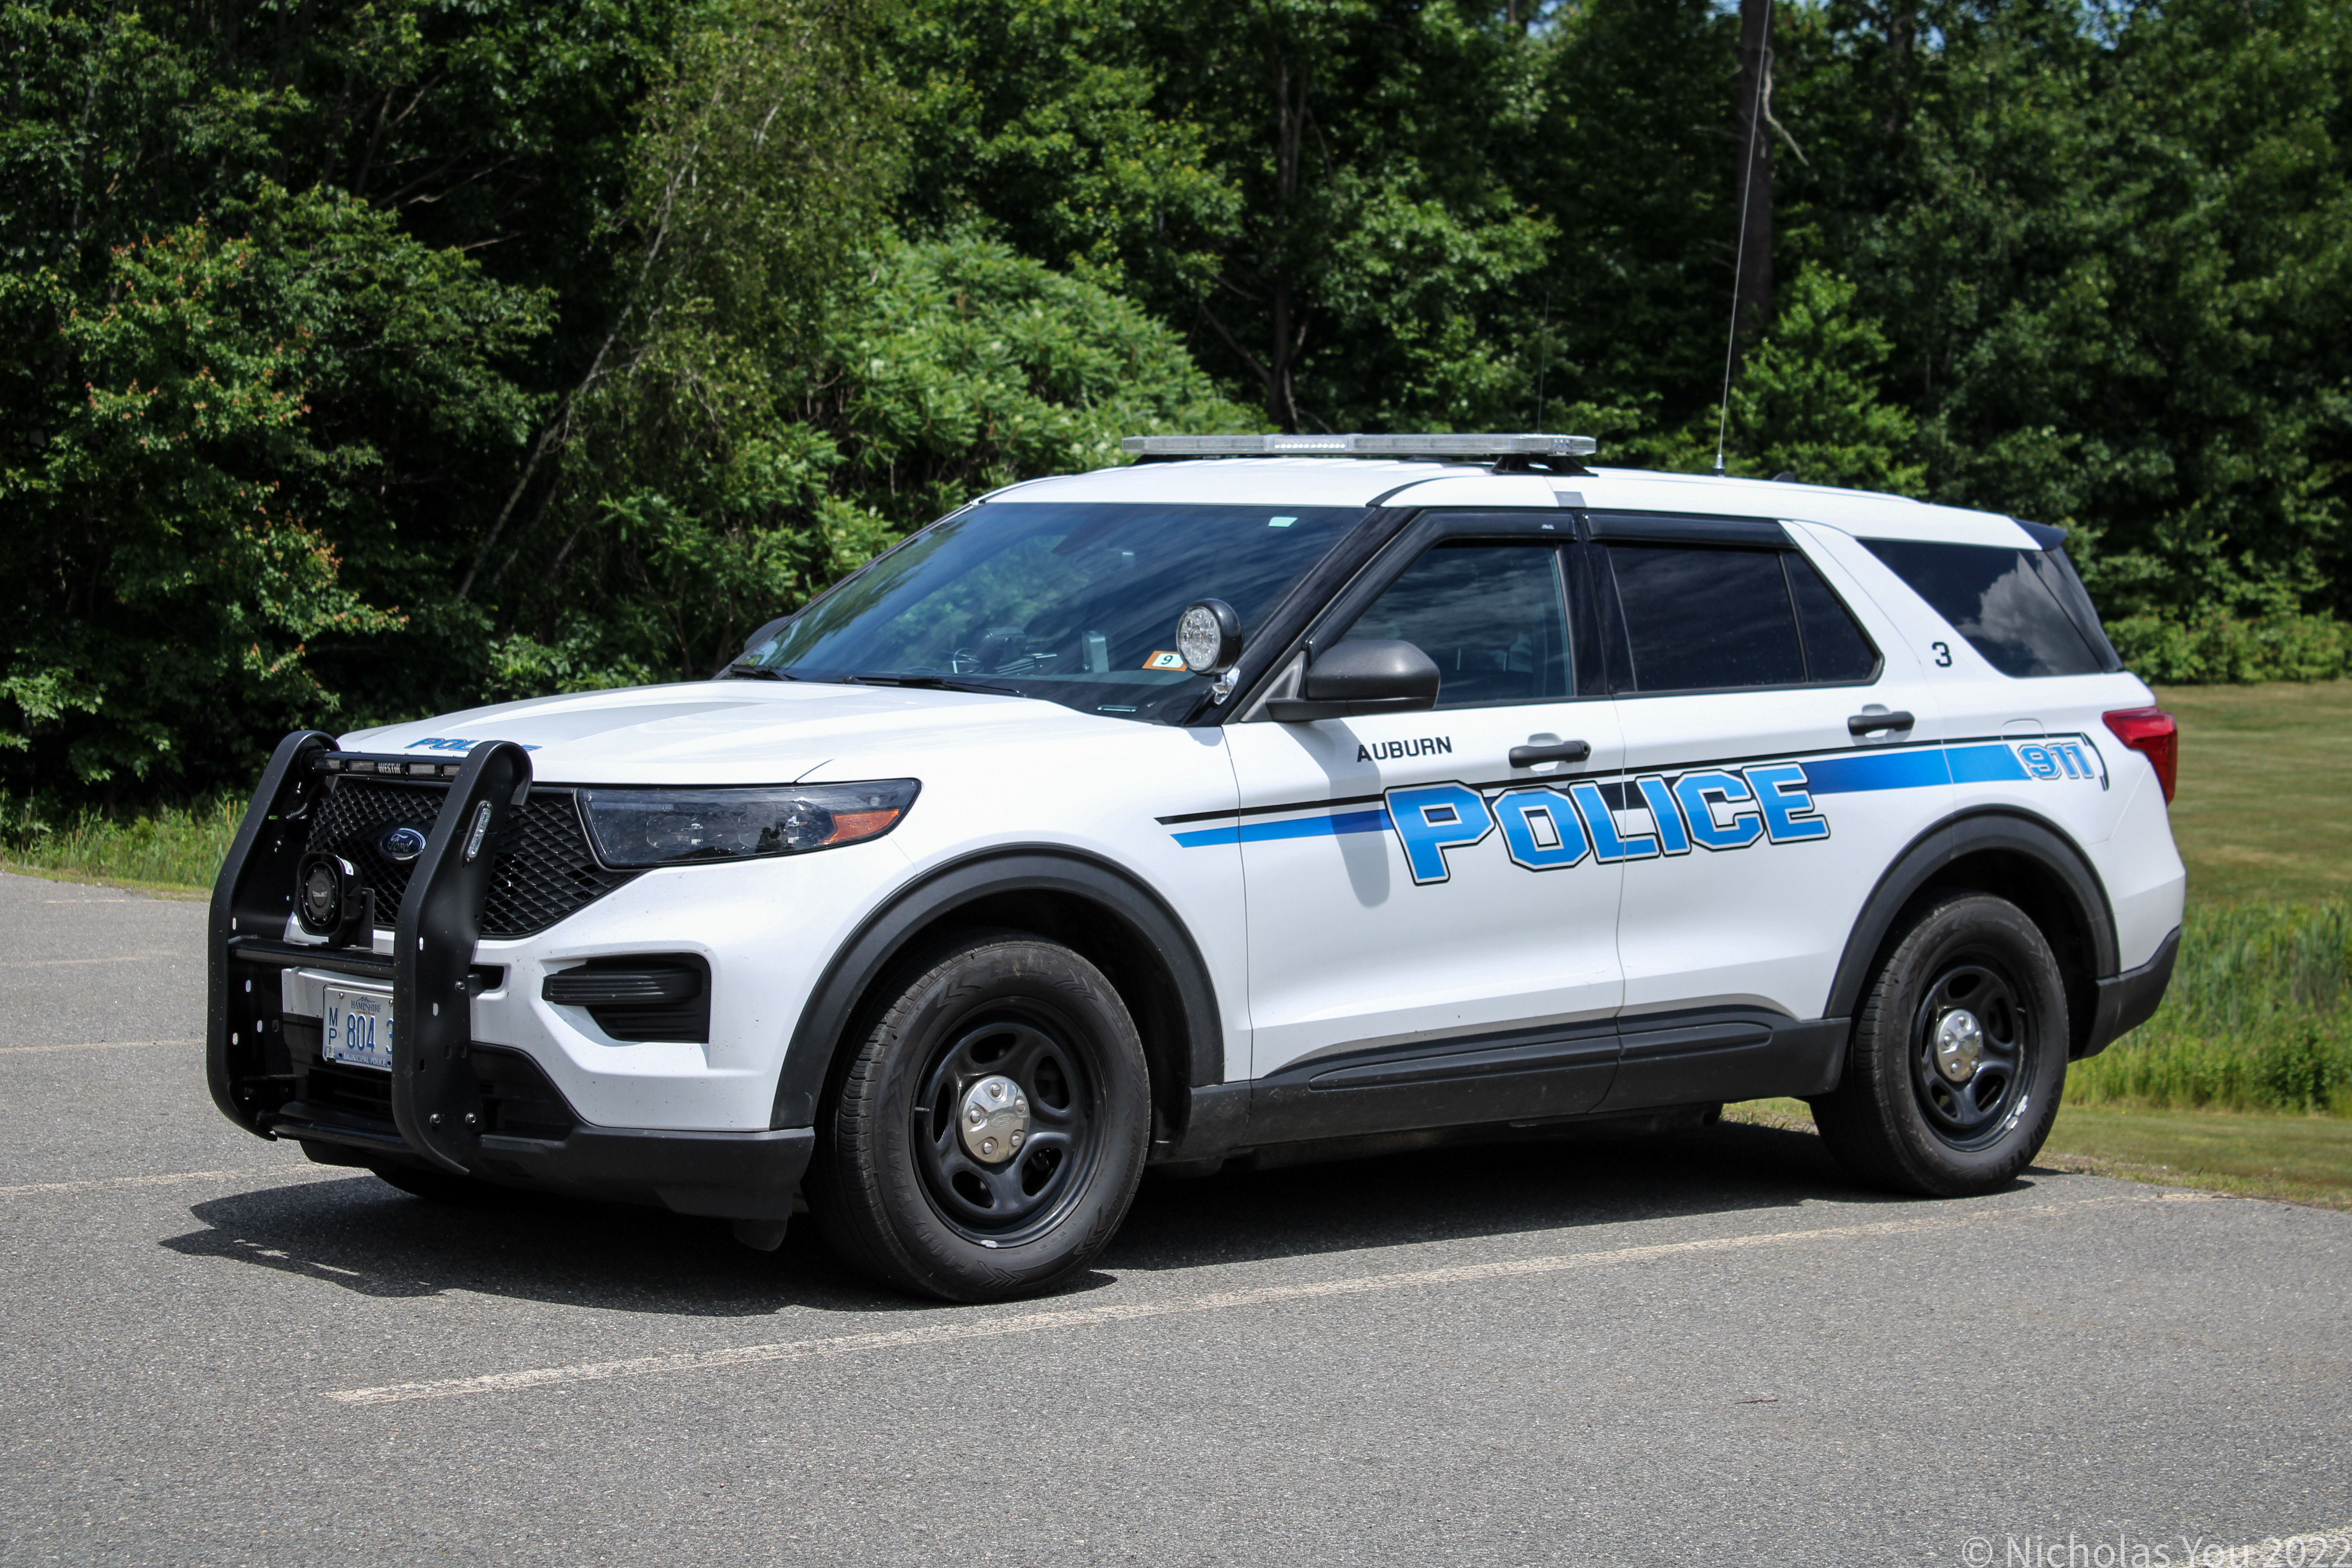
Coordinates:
[1558,752]
[1871,724]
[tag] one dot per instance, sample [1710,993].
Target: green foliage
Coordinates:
[2220,648]
[1808,401]
[956,366]
[2258,1017]
[1317,190]
[178,848]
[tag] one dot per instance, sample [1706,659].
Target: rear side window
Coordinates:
[2016,607]
[1701,619]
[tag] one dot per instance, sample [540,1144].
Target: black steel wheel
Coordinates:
[1958,1055]
[1970,1044]
[988,1133]
[1007,1126]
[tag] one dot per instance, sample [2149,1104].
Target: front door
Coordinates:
[1408,888]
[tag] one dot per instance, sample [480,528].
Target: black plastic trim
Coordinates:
[2130,999]
[884,937]
[2001,830]
[639,995]
[1596,1068]
[728,1175]
[269,843]
[1678,1058]
[1686,528]
[435,1102]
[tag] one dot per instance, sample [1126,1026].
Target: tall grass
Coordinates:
[2258,1017]
[174,846]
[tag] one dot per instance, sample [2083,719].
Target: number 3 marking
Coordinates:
[1943,655]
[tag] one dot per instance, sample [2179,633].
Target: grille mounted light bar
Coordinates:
[1472,446]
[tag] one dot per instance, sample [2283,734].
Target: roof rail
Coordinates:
[1471,446]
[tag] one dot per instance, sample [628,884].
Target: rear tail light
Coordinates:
[2151,732]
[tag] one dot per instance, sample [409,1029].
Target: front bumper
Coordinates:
[451,1102]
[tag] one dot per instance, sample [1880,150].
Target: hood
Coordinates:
[730,732]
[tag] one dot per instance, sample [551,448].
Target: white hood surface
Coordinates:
[732,732]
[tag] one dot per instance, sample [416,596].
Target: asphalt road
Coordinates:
[1702,1348]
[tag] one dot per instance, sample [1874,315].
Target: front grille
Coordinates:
[543,870]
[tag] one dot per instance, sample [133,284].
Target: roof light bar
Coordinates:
[1447,446]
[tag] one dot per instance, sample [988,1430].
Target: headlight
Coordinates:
[678,827]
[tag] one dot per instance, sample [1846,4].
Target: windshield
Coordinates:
[1075,604]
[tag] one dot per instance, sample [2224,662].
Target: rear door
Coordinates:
[1742,672]
[1408,888]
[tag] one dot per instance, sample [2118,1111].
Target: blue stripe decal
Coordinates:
[1984,765]
[1867,771]
[1373,821]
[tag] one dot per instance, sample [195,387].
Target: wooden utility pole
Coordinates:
[1752,309]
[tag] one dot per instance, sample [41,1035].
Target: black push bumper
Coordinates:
[2129,1000]
[448,1103]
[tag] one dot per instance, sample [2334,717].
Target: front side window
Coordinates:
[1493,617]
[1073,603]
[2011,605]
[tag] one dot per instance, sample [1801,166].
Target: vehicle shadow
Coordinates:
[365,1237]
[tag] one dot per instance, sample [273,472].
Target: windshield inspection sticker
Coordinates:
[1164,661]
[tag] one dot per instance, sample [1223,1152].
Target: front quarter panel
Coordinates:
[1098,787]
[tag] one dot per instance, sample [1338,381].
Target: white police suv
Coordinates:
[1272,796]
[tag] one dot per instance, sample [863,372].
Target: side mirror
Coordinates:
[1356,678]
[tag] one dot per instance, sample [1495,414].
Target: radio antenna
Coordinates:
[1543,359]
[1740,251]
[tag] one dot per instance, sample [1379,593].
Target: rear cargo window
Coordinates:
[2013,605]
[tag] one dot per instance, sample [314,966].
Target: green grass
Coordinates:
[2298,1159]
[2265,808]
[2258,1017]
[174,849]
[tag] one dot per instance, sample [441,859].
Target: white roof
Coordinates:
[1350,481]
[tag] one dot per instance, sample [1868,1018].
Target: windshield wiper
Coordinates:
[754,672]
[935,683]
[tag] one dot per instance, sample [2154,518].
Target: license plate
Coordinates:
[357,1028]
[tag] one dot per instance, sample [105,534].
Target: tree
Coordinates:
[1809,400]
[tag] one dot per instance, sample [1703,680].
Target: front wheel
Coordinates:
[1959,1056]
[988,1134]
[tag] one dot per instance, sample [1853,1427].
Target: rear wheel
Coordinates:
[1958,1055]
[989,1133]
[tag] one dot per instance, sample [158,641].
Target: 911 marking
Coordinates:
[2054,759]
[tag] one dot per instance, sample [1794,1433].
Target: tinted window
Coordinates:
[1835,650]
[1493,616]
[1073,603]
[1998,598]
[1700,619]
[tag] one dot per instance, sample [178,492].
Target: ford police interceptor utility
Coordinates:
[1271,796]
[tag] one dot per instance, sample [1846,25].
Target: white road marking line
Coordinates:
[169,1178]
[93,1046]
[966,1329]
[54,962]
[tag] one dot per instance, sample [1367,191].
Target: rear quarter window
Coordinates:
[2017,607]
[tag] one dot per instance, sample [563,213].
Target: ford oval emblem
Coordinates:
[402,844]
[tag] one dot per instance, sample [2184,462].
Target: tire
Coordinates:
[907,1185]
[1965,1119]
[440,1186]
